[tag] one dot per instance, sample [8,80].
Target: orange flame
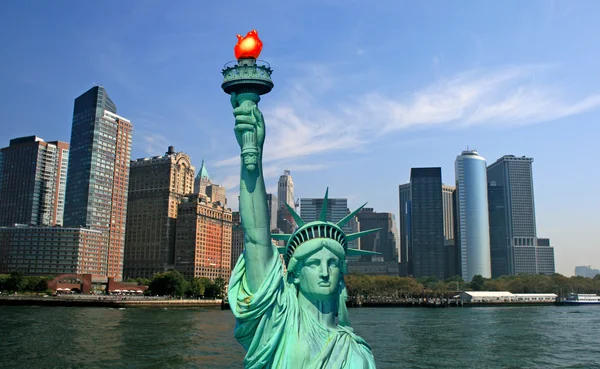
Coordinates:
[249,46]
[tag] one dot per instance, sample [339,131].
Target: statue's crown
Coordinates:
[321,229]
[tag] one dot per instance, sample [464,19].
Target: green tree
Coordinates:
[169,283]
[16,282]
[477,283]
[219,286]
[3,279]
[197,287]
[35,284]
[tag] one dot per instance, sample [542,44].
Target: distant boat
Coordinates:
[582,299]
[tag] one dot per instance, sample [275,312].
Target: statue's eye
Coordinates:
[333,263]
[312,263]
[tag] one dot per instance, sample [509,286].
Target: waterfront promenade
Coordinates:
[106,301]
[161,301]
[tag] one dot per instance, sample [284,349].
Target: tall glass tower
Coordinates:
[428,254]
[514,242]
[473,217]
[98,175]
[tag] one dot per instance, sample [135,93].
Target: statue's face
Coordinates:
[320,276]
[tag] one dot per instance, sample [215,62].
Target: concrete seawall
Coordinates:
[105,301]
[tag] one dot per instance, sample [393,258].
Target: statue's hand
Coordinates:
[249,119]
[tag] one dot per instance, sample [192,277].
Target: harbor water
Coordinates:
[484,337]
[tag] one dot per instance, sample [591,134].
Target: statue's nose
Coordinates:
[324,272]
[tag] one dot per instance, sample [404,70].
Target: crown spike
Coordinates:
[323,215]
[281,236]
[358,252]
[354,236]
[347,218]
[295,215]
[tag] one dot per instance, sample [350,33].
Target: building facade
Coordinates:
[429,255]
[272,206]
[512,216]
[383,241]
[202,180]
[203,239]
[450,242]
[33,180]
[404,225]
[337,209]
[98,174]
[285,194]
[47,251]
[237,238]
[501,251]
[217,194]
[472,215]
[156,187]
[586,271]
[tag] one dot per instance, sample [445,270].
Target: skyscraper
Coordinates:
[429,256]
[449,199]
[383,241]
[500,249]
[237,238]
[272,205]
[406,221]
[404,224]
[156,186]
[473,217]
[33,179]
[285,194]
[202,180]
[98,175]
[203,239]
[514,243]
[337,209]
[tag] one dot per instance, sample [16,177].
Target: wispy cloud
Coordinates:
[153,143]
[506,96]
[500,97]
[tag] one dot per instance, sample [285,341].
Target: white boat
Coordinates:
[582,299]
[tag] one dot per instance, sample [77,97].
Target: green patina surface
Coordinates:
[297,318]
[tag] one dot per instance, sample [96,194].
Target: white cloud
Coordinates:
[301,128]
[154,143]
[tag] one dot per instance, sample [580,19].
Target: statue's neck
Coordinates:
[324,312]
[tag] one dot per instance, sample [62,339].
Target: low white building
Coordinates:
[505,296]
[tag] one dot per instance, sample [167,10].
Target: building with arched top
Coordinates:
[156,187]
[472,213]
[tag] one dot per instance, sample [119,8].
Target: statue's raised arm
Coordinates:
[250,134]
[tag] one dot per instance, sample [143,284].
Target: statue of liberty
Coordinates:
[296,319]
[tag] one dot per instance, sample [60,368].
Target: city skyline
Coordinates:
[472,85]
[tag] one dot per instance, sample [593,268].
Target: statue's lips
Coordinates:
[325,284]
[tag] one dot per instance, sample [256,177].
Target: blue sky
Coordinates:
[362,92]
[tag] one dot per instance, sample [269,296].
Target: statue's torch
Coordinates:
[245,80]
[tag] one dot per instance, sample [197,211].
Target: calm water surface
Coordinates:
[498,337]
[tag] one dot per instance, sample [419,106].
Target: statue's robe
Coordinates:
[274,329]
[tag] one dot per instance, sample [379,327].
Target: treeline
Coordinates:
[173,283]
[17,282]
[398,288]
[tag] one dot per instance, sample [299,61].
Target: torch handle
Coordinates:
[248,101]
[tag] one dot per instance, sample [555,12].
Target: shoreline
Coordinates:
[133,302]
[105,301]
